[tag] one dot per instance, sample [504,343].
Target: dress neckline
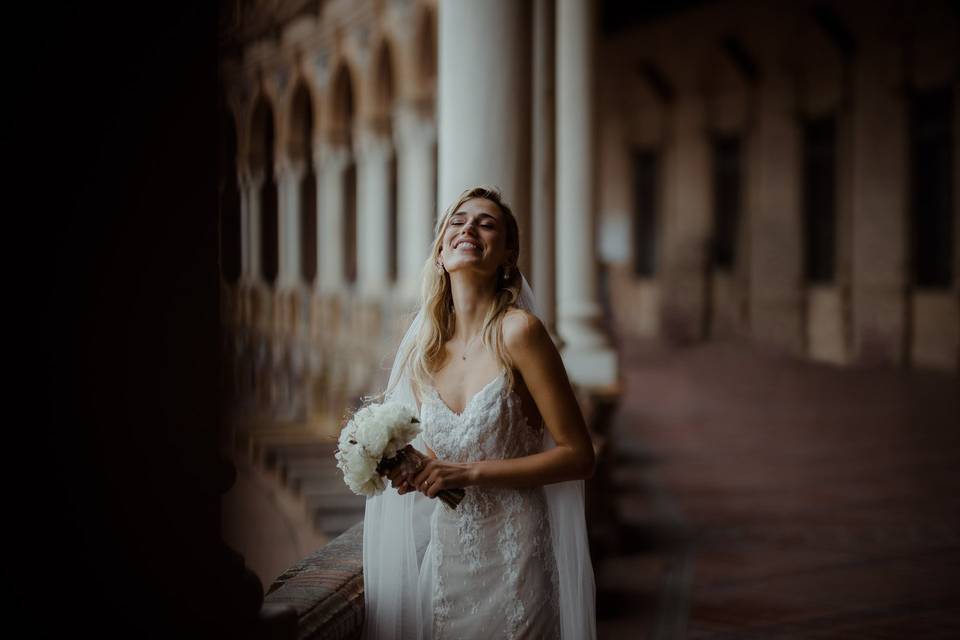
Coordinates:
[500,376]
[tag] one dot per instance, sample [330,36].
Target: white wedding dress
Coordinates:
[507,563]
[488,570]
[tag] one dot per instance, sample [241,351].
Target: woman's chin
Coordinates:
[474,267]
[464,261]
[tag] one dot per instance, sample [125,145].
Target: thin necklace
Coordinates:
[469,344]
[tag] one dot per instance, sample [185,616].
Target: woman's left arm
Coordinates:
[538,361]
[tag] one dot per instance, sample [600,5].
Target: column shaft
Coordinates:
[330,221]
[288,181]
[542,235]
[880,197]
[687,225]
[776,305]
[484,102]
[373,209]
[588,358]
[416,135]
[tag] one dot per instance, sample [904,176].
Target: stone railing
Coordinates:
[297,357]
[325,590]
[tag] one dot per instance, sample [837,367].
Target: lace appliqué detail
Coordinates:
[441,606]
[493,556]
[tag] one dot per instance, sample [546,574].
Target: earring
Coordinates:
[506,273]
[439,267]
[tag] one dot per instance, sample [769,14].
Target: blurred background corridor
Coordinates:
[740,220]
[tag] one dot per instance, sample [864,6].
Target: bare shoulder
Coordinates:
[523,332]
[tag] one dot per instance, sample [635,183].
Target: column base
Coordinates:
[591,366]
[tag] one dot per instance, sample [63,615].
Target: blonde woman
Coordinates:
[499,420]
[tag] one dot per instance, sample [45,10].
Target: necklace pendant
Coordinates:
[464,357]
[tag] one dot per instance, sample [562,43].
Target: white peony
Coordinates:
[375,432]
[370,431]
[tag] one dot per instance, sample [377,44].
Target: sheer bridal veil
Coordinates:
[396,530]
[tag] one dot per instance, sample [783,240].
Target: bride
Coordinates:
[499,420]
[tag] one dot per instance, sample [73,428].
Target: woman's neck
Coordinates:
[472,296]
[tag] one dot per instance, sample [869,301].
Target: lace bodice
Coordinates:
[491,561]
[491,426]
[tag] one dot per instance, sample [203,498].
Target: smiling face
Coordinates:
[475,238]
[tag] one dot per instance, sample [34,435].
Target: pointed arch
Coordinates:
[425,61]
[383,91]
[302,124]
[300,152]
[383,87]
[343,106]
[342,112]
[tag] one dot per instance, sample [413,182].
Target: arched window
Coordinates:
[383,100]
[342,135]
[261,165]
[301,153]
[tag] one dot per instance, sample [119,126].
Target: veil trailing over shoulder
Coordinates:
[396,531]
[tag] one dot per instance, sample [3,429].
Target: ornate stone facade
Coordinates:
[752,176]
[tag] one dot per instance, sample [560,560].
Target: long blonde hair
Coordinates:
[426,352]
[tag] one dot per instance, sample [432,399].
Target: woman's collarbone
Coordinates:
[459,382]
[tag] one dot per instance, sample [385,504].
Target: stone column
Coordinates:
[416,135]
[331,162]
[776,276]
[542,228]
[686,224]
[281,174]
[321,232]
[289,175]
[484,102]
[879,184]
[373,209]
[587,354]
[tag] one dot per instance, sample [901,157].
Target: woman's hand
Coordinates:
[398,480]
[437,475]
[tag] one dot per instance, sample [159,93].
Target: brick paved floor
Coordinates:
[762,496]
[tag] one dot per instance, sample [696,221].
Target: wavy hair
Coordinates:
[426,352]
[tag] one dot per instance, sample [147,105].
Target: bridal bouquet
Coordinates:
[377,440]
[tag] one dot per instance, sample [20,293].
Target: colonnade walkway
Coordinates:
[755,496]
[766,497]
